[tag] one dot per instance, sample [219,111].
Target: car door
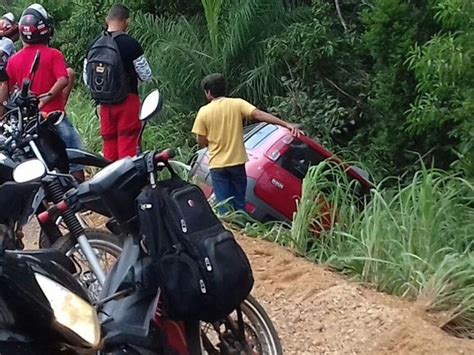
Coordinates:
[281,181]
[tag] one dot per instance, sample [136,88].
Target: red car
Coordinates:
[277,164]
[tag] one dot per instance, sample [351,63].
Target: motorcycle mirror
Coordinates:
[29,170]
[152,104]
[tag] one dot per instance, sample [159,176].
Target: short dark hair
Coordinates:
[118,12]
[215,83]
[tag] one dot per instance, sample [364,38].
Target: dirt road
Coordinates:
[317,311]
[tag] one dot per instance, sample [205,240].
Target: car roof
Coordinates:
[253,132]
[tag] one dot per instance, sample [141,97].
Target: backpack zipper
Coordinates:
[208,264]
[202,286]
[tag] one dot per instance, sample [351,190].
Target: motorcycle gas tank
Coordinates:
[117,185]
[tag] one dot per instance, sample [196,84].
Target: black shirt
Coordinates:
[130,50]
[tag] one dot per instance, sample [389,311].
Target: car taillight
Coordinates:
[250,208]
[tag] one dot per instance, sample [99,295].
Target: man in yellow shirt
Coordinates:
[219,126]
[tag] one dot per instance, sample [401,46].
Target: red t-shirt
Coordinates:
[52,67]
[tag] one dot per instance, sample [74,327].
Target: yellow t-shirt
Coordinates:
[221,122]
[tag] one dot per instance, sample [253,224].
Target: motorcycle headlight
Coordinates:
[71,311]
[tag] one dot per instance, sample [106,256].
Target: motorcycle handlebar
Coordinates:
[46,216]
[25,88]
[164,156]
[63,206]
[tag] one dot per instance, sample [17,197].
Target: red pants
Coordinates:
[120,127]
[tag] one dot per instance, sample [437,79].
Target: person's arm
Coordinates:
[59,70]
[202,141]
[56,90]
[3,96]
[70,84]
[84,71]
[142,68]
[263,116]
[140,63]
[200,130]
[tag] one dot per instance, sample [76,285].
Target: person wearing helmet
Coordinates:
[50,79]
[8,35]
[8,27]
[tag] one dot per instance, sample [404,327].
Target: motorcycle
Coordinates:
[26,135]
[43,310]
[129,305]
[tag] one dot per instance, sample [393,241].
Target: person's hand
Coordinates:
[295,129]
[43,101]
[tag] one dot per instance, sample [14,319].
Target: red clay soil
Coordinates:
[319,312]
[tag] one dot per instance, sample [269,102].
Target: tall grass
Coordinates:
[414,241]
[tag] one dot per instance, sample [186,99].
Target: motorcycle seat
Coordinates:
[78,156]
[45,255]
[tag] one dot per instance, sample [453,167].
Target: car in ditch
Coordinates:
[277,165]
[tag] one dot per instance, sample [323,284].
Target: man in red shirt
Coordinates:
[51,77]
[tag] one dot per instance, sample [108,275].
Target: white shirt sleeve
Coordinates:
[142,68]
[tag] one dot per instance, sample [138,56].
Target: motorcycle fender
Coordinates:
[78,156]
[129,319]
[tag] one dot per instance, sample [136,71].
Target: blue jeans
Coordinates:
[71,139]
[230,183]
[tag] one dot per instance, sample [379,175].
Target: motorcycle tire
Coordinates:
[261,336]
[101,241]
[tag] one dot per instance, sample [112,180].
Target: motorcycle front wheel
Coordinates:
[260,336]
[107,247]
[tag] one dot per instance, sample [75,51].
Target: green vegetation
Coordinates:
[381,79]
[387,81]
[414,241]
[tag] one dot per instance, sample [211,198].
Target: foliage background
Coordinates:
[386,81]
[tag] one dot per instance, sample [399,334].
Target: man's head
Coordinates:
[117,18]
[213,86]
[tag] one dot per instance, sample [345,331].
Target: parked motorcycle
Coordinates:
[26,135]
[43,310]
[129,305]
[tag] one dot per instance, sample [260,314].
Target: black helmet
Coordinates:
[35,25]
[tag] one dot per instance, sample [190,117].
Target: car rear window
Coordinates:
[299,158]
[255,139]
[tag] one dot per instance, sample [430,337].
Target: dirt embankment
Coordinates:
[318,312]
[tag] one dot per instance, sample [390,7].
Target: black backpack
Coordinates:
[106,77]
[202,272]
